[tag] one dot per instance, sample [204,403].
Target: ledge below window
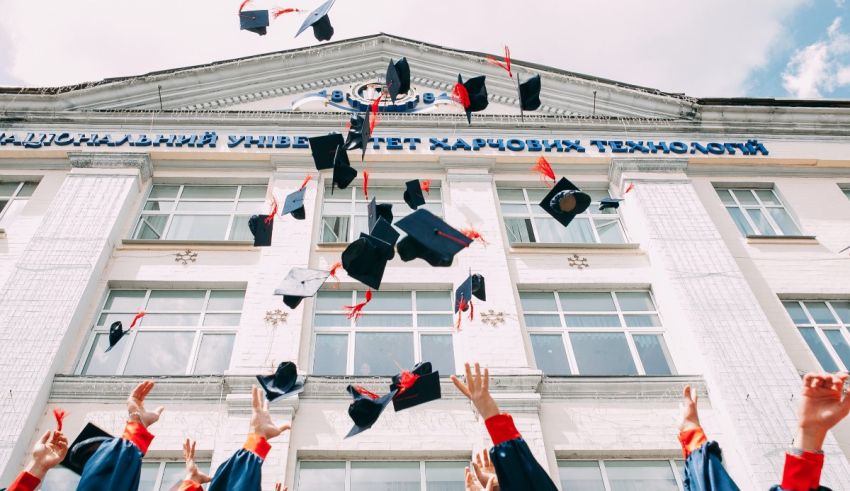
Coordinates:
[332,246]
[533,247]
[616,387]
[130,244]
[781,239]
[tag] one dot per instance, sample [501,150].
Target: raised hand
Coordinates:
[261,420]
[47,453]
[136,405]
[477,389]
[279,487]
[472,483]
[192,471]
[484,469]
[824,404]
[690,416]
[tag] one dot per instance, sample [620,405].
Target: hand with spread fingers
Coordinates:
[824,403]
[192,471]
[472,483]
[484,469]
[280,487]
[47,453]
[136,405]
[690,416]
[477,389]
[261,420]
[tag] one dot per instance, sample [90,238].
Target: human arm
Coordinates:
[48,452]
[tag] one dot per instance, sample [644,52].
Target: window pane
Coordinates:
[599,353]
[580,231]
[252,207]
[361,226]
[587,302]
[536,195]
[768,197]
[330,208]
[763,226]
[253,192]
[7,189]
[444,476]
[439,320]
[538,301]
[609,231]
[653,354]
[220,206]
[226,300]
[796,312]
[161,191]
[383,320]
[332,320]
[843,311]
[125,300]
[159,320]
[839,344]
[219,320]
[172,475]
[160,353]
[581,476]
[331,354]
[159,206]
[440,352]
[382,353]
[817,347]
[240,230]
[635,301]
[519,230]
[783,219]
[194,227]
[542,320]
[321,476]
[745,196]
[214,354]
[514,209]
[433,301]
[334,229]
[27,189]
[820,313]
[101,363]
[592,320]
[333,300]
[150,471]
[625,475]
[209,192]
[390,301]
[151,227]
[550,354]
[60,479]
[510,194]
[644,320]
[385,476]
[176,300]
[740,221]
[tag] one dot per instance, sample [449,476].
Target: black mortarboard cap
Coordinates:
[321,23]
[294,204]
[529,94]
[426,388]
[365,411]
[84,446]
[116,332]
[324,149]
[343,174]
[301,283]
[384,232]
[565,190]
[358,133]
[609,203]
[473,286]
[398,78]
[477,91]
[430,238]
[254,21]
[285,382]
[413,194]
[383,210]
[365,260]
[262,229]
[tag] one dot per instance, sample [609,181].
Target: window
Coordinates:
[13,198]
[182,332]
[397,329]
[174,212]
[846,191]
[826,328]
[381,476]
[758,211]
[526,222]
[344,213]
[621,475]
[155,476]
[596,333]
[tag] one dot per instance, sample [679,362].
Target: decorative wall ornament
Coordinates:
[277,316]
[186,257]
[577,261]
[493,318]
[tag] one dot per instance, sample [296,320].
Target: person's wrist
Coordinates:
[36,469]
[488,408]
[810,439]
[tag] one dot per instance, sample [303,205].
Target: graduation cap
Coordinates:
[413,195]
[398,78]
[365,260]
[430,238]
[384,210]
[343,174]
[84,446]
[320,22]
[565,201]
[294,204]
[324,150]
[254,21]
[472,95]
[366,408]
[285,382]
[301,283]
[117,332]
[415,387]
[529,93]
[473,286]
[261,227]
[609,203]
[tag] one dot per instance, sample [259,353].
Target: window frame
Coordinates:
[352,329]
[842,327]
[845,188]
[763,208]
[422,468]
[628,331]
[199,330]
[157,486]
[603,470]
[16,195]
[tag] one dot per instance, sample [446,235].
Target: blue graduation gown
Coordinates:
[516,467]
[241,472]
[704,470]
[117,464]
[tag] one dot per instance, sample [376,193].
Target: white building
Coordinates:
[133,194]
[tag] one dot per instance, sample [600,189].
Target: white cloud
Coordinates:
[821,67]
[666,44]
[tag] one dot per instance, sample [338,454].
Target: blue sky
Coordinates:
[703,48]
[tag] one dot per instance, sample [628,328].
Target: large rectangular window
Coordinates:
[183,332]
[380,476]
[526,222]
[190,212]
[596,333]
[758,211]
[397,329]
[826,328]
[345,211]
[13,198]
[846,191]
[155,476]
[620,475]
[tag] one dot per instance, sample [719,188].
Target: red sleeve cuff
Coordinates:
[258,445]
[25,482]
[691,440]
[802,473]
[138,435]
[188,485]
[501,428]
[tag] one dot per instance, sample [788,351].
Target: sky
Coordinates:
[703,48]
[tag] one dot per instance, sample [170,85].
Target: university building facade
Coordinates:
[723,268]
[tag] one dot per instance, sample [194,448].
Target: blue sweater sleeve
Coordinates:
[704,470]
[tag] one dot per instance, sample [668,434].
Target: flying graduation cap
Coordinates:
[415,387]
[320,22]
[398,78]
[324,150]
[366,258]
[301,283]
[343,174]
[430,238]
[83,447]
[255,21]
[529,93]
[294,203]
[413,195]
[472,95]
[366,408]
[472,287]
[376,211]
[284,382]
[565,201]
[117,332]
[612,203]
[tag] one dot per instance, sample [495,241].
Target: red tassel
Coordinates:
[473,234]
[306,180]
[629,188]
[355,311]
[506,65]
[407,380]
[462,305]
[451,237]
[544,169]
[426,186]
[59,414]
[364,392]
[333,271]
[136,319]
[271,215]
[461,95]
[366,184]
[373,115]
[243,5]
[279,12]
[471,311]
